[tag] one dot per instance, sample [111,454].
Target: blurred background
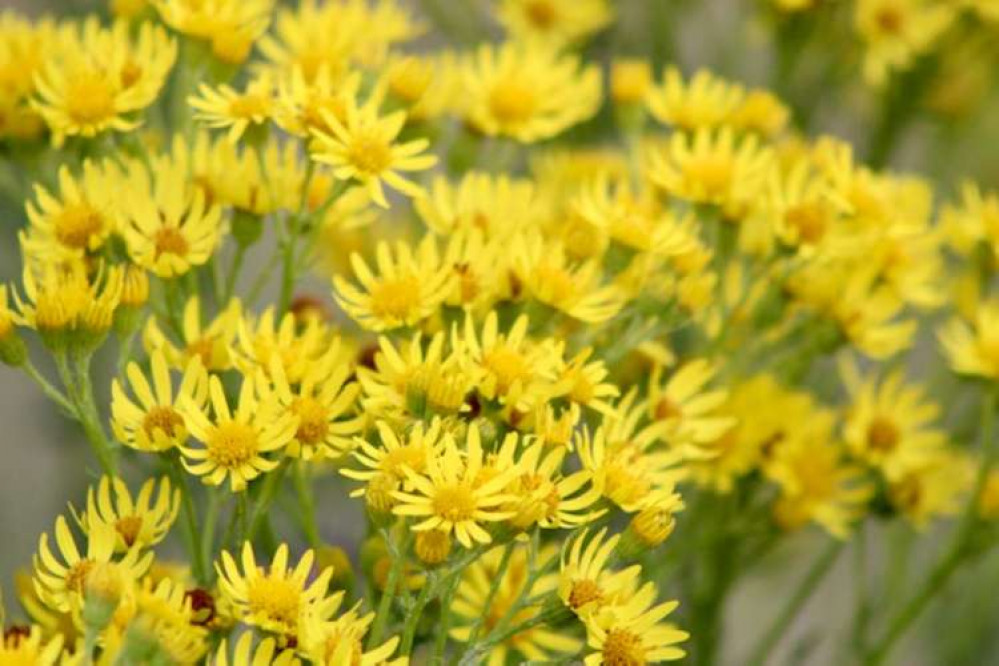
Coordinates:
[950,138]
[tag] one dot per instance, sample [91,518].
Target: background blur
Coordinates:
[41,454]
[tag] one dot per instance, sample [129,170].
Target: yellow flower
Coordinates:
[762,112]
[546,274]
[305,104]
[409,287]
[633,632]
[543,495]
[705,102]
[623,460]
[363,147]
[527,92]
[341,640]
[933,489]
[229,26]
[972,348]
[495,204]
[26,45]
[30,649]
[61,584]
[8,319]
[295,347]
[630,80]
[656,521]
[139,523]
[690,412]
[585,385]
[586,584]
[896,32]
[237,111]
[168,226]
[77,221]
[816,485]
[473,604]
[554,21]
[888,424]
[275,598]
[712,168]
[510,367]
[155,423]
[407,381]
[266,653]
[322,402]
[387,461]
[97,78]
[235,444]
[974,220]
[161,616]
[212,344]
[449,496]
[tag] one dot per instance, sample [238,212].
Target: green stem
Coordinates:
[53,394]
[957,552]
[230,281]
[413,617]
[306,503]
[440,644]
[391,585]
[190,521]
[497,579]
[208,538]
[271,485]
[815,575]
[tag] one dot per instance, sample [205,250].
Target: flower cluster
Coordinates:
[573,344]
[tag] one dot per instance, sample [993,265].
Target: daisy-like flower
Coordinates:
[363,147]
[889,424]
[385,464]
[546,274]
[61,582]
[972,348]
[30,648]
[304,104]
[322,402]
[761,112]
[410,381]
[212,344]
[585,583]
[527,92]
[449,495]
[554,21]
[633,632]
[686,407]
[623,460]
[713,168]
[265,653]
[161,613]
[655,522]
[295,346]
[238,445]
[97,78]
[341,640]
[585,383]
[511,368]
[705,101]
[237,111]
[544,496]
[140,523]
[79,219]
[474,603]
[803,207]
[277,597]
[155,423]
[495,204]
[167,225]
[230,27]
[935,488]
[896,32]
[408,287]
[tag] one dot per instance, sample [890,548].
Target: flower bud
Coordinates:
[630,81]
[432,547]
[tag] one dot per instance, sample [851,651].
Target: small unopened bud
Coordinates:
[630,81]
[102,594]
[336,557]
[432,547]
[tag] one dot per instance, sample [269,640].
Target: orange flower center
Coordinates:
[623,648]
[882,435]
[129,527]
[583,592]
[508,365]
[274,598]
[76,577]
[369,154]
[162,418]
[542,13]
[232,445]
[169,240]
[313,424]
[77,224]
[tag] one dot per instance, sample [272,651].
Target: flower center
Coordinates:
[542,13]
[890,20]
[129,527]
[164,419]
[90,98]
[396,460]
[313,424]
[623,648]
[76,577]
[369,154]
[232,444]
[250,106]
[882,435]
[276,599]
[169,240]
[512,101]
[666,409]
[203,348]
[508,366]
[583,592]
[713,173]
[131,72]
[808,220]
[395,297]
[555,284]
[455,503]
[77,224]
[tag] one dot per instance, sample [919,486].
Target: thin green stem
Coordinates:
[388,594]
[190,514]
[51,392]
[230,281]
[414,615]
[271,485]
[306,503]
[440,643]
[815,575]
